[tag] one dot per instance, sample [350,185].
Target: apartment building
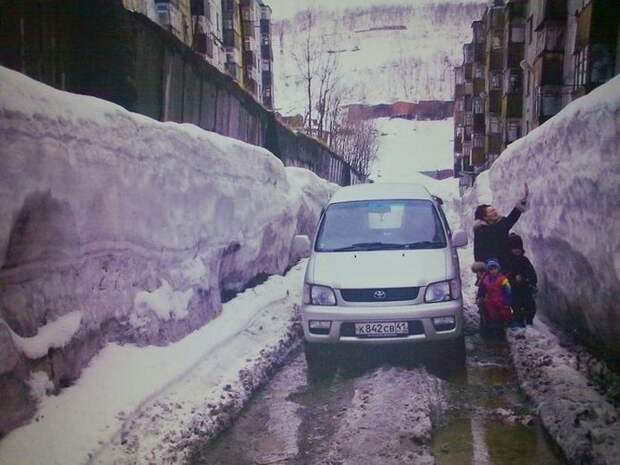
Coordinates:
[207,31]
[174,16]
[250,27]
[266,53]
[512,89]
[232,34]
[527,60]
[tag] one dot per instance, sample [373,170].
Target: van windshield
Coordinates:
[380,225]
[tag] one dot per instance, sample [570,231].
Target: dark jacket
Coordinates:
[491,240]
[522,266]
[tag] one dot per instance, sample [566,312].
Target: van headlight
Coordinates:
[319,295]
[443,291]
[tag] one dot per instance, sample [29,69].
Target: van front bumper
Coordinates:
[419,317]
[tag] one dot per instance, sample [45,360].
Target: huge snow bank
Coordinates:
[135,224]
[572,166]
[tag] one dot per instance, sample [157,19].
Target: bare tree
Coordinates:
[306,57]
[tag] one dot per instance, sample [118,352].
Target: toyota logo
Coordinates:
[379,295]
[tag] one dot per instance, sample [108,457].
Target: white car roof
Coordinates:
[381,191]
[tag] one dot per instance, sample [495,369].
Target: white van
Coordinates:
[383,270]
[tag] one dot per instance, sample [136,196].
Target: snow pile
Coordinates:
[164,302]
[137,226]
[583,422]
[143,405]
[54,335]
[572,166]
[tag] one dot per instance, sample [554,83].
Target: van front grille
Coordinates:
[390,294]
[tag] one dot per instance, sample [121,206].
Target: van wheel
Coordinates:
[456,349]
[318,357]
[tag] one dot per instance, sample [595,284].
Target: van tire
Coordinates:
[317,356]
[456,349]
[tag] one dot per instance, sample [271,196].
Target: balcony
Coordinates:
[495,102]
[249,43]
[548,70]
[479,32]
[493,143]
[496,60]
[550,11]
[265,27]
[512,106]
[249,59]
[548,102]
[267,77]
[550,39]
[233,70]
[514,53]
[265,51]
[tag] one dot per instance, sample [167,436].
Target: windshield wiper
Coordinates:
[368,246]
[424,245]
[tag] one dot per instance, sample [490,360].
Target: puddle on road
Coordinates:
[286,424]
[291,420]
[490,422]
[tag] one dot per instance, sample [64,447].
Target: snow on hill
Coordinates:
[407,147]
[386,52]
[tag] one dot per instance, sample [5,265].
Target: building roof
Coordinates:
[379,191]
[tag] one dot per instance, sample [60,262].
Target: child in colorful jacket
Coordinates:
[495,294]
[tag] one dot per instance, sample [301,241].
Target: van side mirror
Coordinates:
[300,248]
[459,238]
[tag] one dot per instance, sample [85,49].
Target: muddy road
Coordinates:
[389,406]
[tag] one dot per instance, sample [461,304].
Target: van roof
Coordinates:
[380,191]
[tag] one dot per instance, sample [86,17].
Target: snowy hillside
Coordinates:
[385,52]
[406,147]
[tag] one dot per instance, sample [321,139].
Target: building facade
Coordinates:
[207,28]
[266,53]
[527,60]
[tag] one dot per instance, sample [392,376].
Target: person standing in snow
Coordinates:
[523,280]
[491,231]
[494,297]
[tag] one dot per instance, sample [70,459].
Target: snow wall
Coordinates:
[116,227]
[571,230]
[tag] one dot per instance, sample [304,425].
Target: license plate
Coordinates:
[382,328]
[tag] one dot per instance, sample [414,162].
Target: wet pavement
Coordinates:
[389,406]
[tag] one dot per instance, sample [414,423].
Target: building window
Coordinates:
[530,30]
[494,125]
[460,104]
[478,141]
[581,67]
[517,32]
[496,81]
[513,131]
[512,82]
[478,71]
[601,64]
[478,105]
